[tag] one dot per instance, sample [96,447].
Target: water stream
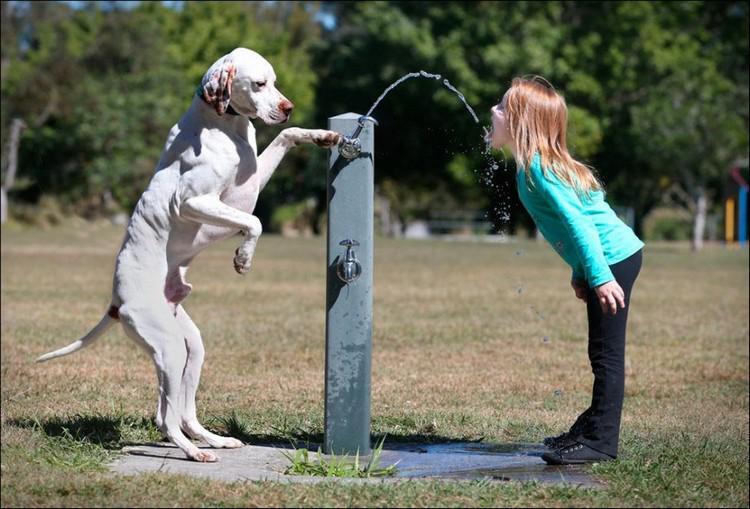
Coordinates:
[501,210]
[424,75]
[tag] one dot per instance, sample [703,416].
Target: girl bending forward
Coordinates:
[566,201]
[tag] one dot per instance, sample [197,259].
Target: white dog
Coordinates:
[204,190]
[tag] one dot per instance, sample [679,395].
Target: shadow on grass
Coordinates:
[299,438]
[107,431]
[113,432]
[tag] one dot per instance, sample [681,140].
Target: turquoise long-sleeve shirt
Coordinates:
[584,230]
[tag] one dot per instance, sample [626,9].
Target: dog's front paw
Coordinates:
[324,138]
[242,260]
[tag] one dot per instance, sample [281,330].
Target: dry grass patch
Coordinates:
[470,341]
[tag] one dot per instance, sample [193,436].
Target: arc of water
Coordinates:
[493,167]
[423,74]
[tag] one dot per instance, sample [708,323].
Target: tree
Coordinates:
[609,59]
[688,121]
[654,56]
[691,130]
[99,86]
[427,142]
[9,169]
[32,105]
[121,78]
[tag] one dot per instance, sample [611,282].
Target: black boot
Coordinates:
[561,440]
[575,453]
[569,436]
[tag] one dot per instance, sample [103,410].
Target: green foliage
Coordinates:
[46,213]
[338,466]
[606,58]
[667,224]
[106,86]
[297,215]
[656,90]
[585,133]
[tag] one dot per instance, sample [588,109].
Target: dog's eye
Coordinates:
[260,84]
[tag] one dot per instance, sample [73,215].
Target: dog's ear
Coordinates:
[217,84]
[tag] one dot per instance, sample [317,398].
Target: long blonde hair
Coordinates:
[537,119]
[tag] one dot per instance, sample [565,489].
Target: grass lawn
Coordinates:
[471,341]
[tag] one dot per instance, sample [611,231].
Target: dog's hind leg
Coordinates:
[190,381]
[157,330]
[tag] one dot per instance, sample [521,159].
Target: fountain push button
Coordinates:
[349,269]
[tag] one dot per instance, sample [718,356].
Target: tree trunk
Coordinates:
[10,174]
[3,205]
[699,220]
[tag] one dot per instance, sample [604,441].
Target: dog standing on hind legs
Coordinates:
[204,190]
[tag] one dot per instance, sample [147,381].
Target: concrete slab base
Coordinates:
[458,461]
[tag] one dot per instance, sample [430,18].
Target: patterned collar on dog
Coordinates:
[199,93]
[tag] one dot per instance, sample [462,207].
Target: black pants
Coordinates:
[599,426]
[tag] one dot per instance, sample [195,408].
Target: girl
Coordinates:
[566,201]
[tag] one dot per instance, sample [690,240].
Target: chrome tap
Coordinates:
[349,268]
[350,147]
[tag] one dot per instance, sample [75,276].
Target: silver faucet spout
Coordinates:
[350,147]
[361,120]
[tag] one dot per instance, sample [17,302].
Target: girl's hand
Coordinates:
[610,295]
[580,288]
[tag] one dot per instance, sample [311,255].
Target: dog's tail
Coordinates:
[103,326]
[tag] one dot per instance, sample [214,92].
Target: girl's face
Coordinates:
[500,135]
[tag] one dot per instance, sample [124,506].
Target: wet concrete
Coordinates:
[468,460]
[456,461]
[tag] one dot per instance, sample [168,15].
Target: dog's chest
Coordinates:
[242,193]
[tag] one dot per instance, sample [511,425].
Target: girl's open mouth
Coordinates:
[487,134]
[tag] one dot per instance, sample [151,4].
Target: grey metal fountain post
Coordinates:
[349,287]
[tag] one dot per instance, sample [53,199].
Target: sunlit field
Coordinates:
[471,340]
